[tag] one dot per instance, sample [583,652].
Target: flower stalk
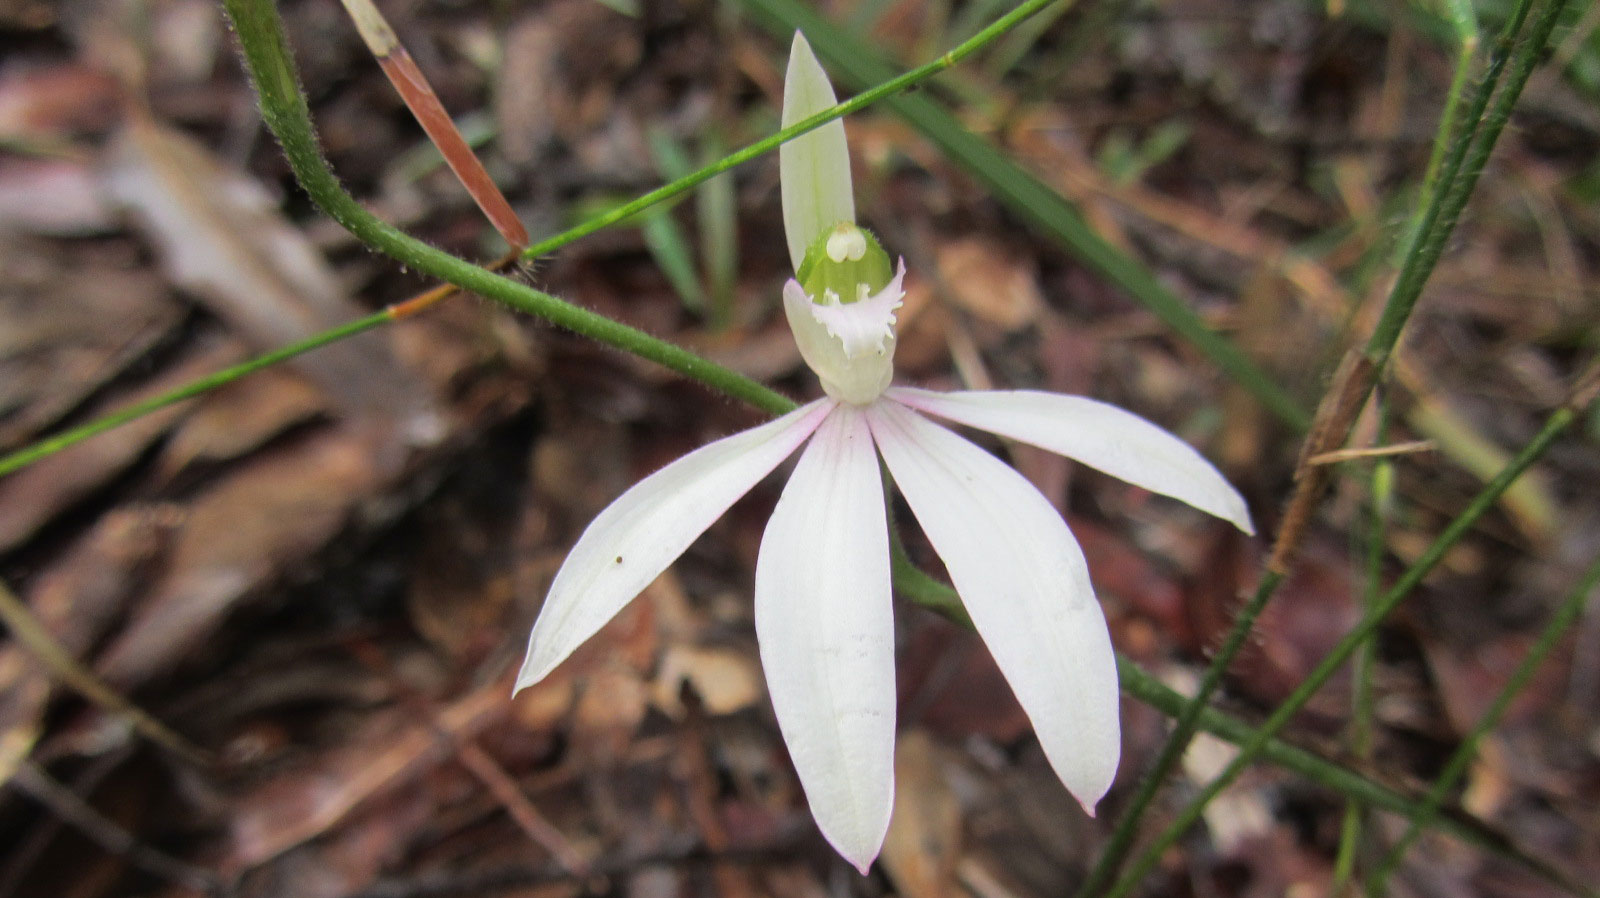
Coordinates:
[823,575]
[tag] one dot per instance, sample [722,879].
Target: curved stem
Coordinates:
[283,107]
[29,454]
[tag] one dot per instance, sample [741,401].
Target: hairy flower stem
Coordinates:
[286,113]
[283,107]
[271,53]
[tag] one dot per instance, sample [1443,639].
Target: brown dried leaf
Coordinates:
[990,282]
[31,497]
[725,679]
[67,327]
[306,802]
[924,841]
[222,238]
[263,517]
[239,418]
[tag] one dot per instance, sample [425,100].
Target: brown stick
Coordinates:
[1336,414]
[414,88]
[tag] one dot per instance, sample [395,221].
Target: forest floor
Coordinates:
[323,575]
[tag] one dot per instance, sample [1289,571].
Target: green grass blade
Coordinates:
[27,455]
[1325,669]
[1570,610]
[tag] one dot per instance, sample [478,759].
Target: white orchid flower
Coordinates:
[822,587]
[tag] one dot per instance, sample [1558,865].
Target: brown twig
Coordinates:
[1336,414]
[109,834]
[484,768]
[32,635]
[419,97]
[1341,455]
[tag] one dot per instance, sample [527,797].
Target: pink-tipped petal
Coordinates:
[1101,436]
[1024,581]
[826,631]
[648,527]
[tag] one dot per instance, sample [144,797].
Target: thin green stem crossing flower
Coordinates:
[823,575]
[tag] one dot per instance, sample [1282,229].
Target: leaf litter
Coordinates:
[324,573]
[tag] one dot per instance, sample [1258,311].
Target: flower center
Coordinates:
[844,264]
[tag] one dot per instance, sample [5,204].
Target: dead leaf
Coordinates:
[34,495]
[239,418]
[302,804]
[726,680]
[68,326]
[74,599]
[924,841]
[266,515]
[991,283]
[223,239]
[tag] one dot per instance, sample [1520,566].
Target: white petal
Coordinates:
[865,327]
[1023,580]
[826,630]
[814,168]
[1101,436]
[648,527]
[855,379]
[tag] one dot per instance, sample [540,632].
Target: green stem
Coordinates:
[1248,751]
[1464,23]
[886,86]
[1361,702]
[1147,688]
[283,106]
[1459,173]
[1438,221]
[1571,608]
[27,455]
[267,56]
[1127,827]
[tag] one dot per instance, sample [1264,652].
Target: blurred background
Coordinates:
[322,575]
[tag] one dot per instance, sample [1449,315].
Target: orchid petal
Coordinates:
[814,168]
[1099,435]
[826,631]
[648,527]
[1026,585]
[866,326]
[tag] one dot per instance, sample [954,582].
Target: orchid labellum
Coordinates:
[822,586]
